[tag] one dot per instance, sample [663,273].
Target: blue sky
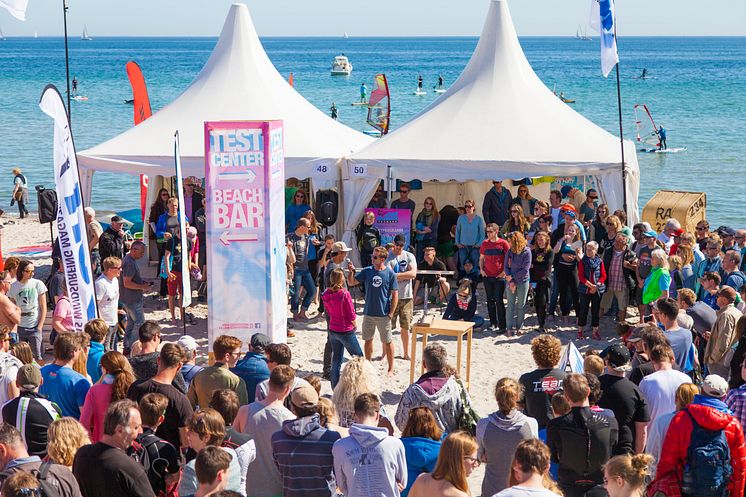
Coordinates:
[373,18]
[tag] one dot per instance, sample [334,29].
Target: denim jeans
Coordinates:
[135,319]
[302,278]
[495,289]
[516,305]
[468,253]
[340,342]
[553,295]
[33,336]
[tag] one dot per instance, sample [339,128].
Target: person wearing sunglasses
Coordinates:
[496,204]
[295,210]
[712,263]
[403,263]
[469,236]
[702,232]
[10,313]
[457,460]
[29,294]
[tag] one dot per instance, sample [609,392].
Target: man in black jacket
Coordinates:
[111,242]
[581,442]
[496,205]
[620,263]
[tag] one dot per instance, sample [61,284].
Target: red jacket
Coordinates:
[676,443]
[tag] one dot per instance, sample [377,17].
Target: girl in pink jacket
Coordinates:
[340,310]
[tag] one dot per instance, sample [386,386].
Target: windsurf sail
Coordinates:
[647,130]
[290,80]
[379,105]
[141,105]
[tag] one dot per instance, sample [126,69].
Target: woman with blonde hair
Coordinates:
[659,426]
[628,476]
[358,376]
[500,433]
[456,461]
[516,222]
[81,361]
[65,437]
[426,227]
[328,417]
[686,254]
[613,226]
[658,282]
[517,273]
[22,350]
[115,381]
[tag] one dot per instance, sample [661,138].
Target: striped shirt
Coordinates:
[32,414]
[736,401]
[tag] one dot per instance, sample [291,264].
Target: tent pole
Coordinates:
[389,180]
[621,128]
[67,60]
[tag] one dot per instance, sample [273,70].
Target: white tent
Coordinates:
[497,121]
[238,83]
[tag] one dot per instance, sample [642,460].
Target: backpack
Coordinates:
[46,487]
[141,454]
[708,469]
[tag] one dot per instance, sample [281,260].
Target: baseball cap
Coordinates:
[726,231]
[304,396]
[565,190]
[567,207]
[28,376]
[259,341]
[714,386]
[340,247]
[651,234]
[187,342]
[400,239]
[569,213]
[635,334]
[617,354]
[678,232]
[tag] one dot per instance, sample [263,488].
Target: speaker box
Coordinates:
[47,200]
[327,207]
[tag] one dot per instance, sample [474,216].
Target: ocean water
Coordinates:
[698,93]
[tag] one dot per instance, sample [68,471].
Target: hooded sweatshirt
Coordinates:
[445,403]
[303,453]
[369,463]
[498,435]
[422,454]
[340,309]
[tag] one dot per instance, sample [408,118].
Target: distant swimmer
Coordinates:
[363,93]
[662,137]
[333,110]
[419,82]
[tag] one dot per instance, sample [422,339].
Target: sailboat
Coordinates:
[86,36]
[2,36]
[345,35]
[36,34]
[581,34]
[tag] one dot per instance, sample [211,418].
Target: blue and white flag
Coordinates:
[186,293]
[603,21]
[17,8]
[71,227]
[573,358]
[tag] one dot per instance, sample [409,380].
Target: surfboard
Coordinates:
[359,103]
[671,150]
[419,92]
[439,90]
[79,98]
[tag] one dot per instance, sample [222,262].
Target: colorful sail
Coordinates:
[647,130]
[141,105]
[379,105]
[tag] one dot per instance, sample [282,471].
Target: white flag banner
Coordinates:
[186,293]
[71,227]
[17,8]
[573,358]
[603,21]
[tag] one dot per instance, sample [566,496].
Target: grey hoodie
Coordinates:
[369,463]
[498,436]
[445,404]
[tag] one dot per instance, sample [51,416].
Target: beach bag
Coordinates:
[708,469]
[467,417]
[163,269]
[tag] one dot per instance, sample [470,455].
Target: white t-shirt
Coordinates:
[107,294]
[519,491]
[8,371]
[26,296]
[402,264]
[659,390]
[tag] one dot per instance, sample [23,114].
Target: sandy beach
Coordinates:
[492,357]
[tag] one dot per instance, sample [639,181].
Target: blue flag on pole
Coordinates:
[603,21]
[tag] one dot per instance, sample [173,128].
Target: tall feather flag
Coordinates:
[17,8]
[603,21]
[572,358]
[186,293]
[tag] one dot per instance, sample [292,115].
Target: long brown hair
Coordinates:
[450,465]
[421,423]
[545,236]
[532,456]
[522,223]
[311,216]
[119,367]
[336,280]
[435,214]
[517,242]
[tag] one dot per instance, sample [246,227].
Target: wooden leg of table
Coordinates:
[413,355]
[468,360]
[424,344]
[458,353]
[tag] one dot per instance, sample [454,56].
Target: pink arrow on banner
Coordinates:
[226,238]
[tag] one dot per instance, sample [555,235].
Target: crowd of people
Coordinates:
[658,410]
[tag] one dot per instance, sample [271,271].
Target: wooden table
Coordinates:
[443,327]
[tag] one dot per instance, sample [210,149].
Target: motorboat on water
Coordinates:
[341,66]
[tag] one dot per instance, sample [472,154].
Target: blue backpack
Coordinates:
[708,469]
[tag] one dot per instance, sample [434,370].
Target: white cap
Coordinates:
[188,342]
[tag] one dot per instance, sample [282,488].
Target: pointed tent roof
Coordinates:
[238,83]
[497,121]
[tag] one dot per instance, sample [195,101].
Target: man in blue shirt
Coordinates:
[381,299]
[62,384]
[253,367]
[662,137]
